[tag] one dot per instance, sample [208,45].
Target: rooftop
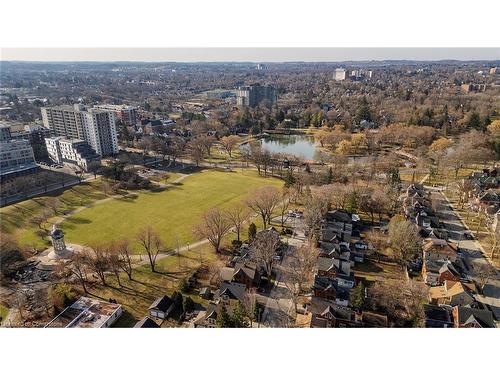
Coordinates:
[86,313]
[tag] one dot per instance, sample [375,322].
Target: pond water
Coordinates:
[300,145]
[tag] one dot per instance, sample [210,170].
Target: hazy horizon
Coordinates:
[238,54]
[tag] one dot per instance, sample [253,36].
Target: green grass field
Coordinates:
[172,212]
[3,312]
[15,219]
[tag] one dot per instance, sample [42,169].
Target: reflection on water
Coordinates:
[300,145]
[295,144]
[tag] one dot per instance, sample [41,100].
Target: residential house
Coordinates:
[331,267]
[437,316]
[467,317]
[146,322]
[329,289]
[327,314]
[161,308]
[208,318]
[246,273]
[438,249]
[358,251]
[453,293]
[229,294]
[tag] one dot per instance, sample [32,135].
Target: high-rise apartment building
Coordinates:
[340,74]
[125,113]
[253,95]
[96,126]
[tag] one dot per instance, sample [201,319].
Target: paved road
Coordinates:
[473,254]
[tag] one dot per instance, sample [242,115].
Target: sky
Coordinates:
[246,54]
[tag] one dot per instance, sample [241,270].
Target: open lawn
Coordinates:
[371,270]
[172,212]
[4,311]
[15,219]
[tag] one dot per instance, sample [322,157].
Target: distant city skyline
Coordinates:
[246,54]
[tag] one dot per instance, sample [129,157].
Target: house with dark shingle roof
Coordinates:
[327,314]
[208,318]
[438,316]
[161,308]
[467,317]
[229,294]
[246,273]
[146,322]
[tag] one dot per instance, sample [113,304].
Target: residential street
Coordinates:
[472,253]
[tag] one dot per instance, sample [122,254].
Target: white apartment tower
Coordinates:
[340,74]
[95,126]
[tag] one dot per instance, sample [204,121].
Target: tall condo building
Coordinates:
[253,95]
[96,126]
[340,74]
[125,113]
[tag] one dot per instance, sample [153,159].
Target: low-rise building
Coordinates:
[73,151]
[87,313]
[16,155]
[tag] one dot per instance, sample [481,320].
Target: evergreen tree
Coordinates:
[223,319]
[289,179]
[239,318]
[329,176]
[252,231]
[357,296]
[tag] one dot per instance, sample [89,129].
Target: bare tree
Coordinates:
[98,260]
[285,203]
[79,267]
[151,243]
[406,242]
[115,261]
[402,301]
[54,204]
[123,248]
[298,272]
[40,220]
[484,274]
[207,141]
[263,201]
[196,148]
[105,187]
[263,249]
[464,189]
[237,215]
[215,225]
[229,143]
[316,207]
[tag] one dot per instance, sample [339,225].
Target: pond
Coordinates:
[300,145]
